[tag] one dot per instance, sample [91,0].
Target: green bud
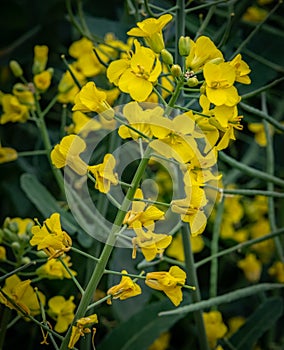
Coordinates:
[41,254]
[25,260]
[176,70]
[167,57]
[16,245]
[217,60]
[192,82]
[184,45]
[16,68]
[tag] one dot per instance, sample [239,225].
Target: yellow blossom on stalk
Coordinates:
[67,88]
[170,283]
[150,243]
[191,207]
[251,267]
[51,238]
[82,124]
[127,288]
[87,61]
[254,14]
[140,214]
[174,137]
[137,73]
[24,95]
[138,118]
[219,87]
[214,327]
[40,58]
[234,324]
[201,52]
[242,69]
[62,311]
[104,173]
[175,250]
[259,133]
[20,296]
[42,80]
[277,271]
[54,269]
[22,225]
[67,153]
[7,154]
[81,328]
[13,110]
[91,99]
[2,253]
[151,30]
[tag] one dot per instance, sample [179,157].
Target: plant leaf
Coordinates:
[259,322]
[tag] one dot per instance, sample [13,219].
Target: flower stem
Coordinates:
[192,277]
[108,248]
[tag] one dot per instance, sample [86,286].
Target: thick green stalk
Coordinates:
[108,248]
[193,280]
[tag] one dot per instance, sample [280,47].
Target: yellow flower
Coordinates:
[24,95]
[140,214]
[170,283]
[219,80]
[7,154]
[67,153]
[81,328]
[251,267]
[234,324]
[214,327]
[265,249]
[91,99]
[150,243]
[137,73]
[87,62]
[104,173]
[13,110]
[2,253]
[51,238]
[62,311]
[22,225]
[277,271]
[42,80]
[151,30]
[138,118]
[127,288]
[174,137]
[40,58]
[191,209]
[254,14]
[83,125]
[260,135]
[242,69]
[53,269]
[22,295]
[201,52]
[175,250]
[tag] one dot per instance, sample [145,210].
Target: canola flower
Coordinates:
[62,311]
[126,288]
[81,328]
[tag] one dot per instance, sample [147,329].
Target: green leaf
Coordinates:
[258,323]
[141,330]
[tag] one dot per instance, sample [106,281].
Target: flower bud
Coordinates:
[15,245]
[192,82]
[25,260]
[176,70]
[16,68]
[167,57]
[184,45]
[217,60]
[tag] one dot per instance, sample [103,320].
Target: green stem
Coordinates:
[74,279]
[262,115]
[152,202]
[270,186]
[251,171]
[180,30]
[214,250]
[89,256]
[207,19]
[192,277]
[17,270]
[32,153]
[108,248]
[246,192]
[239,247]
